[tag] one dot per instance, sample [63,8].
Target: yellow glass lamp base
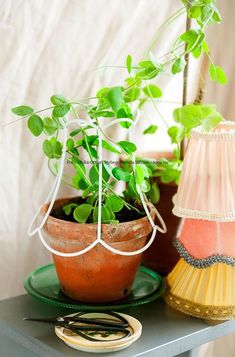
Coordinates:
[205,293]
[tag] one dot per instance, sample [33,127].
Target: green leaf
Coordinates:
[78,131]
[78,165]
[131,94]
[154,193]
[211,121]
[52,148]
[22,110]
[170,175]
[206,14]
[109,147]
[131,191]
[75,132]
[174,134]
[178,65]
[127,146]
[80,180]
[194,12]
[139,174]
[48,149]
[128,63]
[153,91]
[193,39]
[68,208]
[216,16]
[146,64]
[103,92]
[61,110]
[190,37]
[58,99]
[189,116]
[83,184]
[205,47]
[151,129]
[93,151]
[115,203]
[146,169]
[125,112]
[132,81]
[145,186]
[217,74]
[105,214]
[94,174]
[82,212]
[57,149]
[92,139]
[121,174]
[148,72]
[50,126]
[86,193]
[197,52]
[35,124]
[103,113]
[115,98]
[70,144]
[207,109]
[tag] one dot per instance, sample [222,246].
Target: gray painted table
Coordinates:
[166,332]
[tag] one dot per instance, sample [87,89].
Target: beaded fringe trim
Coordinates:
[207,312]
[223,134]
[205,262]
[191,213]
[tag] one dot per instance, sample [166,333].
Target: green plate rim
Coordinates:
[91,307]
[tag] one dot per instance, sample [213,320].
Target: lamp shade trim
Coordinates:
[204,262]
[196,214]
[225,130]
[209,312]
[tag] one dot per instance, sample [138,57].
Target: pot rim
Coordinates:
[75,224]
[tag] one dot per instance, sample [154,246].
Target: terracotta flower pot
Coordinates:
[99,275]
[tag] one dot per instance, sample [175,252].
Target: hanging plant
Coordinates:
[116,103]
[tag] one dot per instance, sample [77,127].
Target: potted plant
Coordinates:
[100,275]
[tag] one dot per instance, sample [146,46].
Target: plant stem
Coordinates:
[162,28]
[185,85]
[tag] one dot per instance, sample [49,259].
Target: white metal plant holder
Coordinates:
[53,193]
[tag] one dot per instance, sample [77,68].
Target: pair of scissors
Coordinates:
[79,324]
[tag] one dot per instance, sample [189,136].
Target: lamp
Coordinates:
[202,282]
[207,183]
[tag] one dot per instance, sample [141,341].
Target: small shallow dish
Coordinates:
[110,341]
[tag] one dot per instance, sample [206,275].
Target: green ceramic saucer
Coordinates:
[43,285]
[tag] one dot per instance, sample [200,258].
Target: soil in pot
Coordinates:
[99,275]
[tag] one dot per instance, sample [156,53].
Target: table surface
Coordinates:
[166,332]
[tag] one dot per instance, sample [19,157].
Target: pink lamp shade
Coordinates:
[202,243]
[207,184]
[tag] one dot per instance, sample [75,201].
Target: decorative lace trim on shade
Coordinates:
[195,214]
[205,262]
[225,133]
[207,312]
